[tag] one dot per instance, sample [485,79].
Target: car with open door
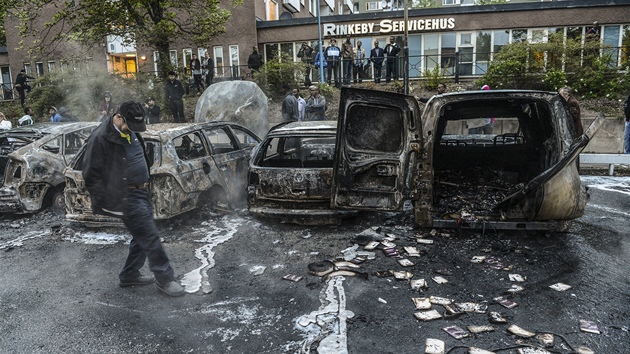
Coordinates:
[503,159]
[32,160]
[192,165]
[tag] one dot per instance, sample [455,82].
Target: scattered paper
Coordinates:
[560,286]
[433,346]
[427,315]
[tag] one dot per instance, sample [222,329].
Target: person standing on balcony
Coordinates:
[359,63]
[347,54]
[391,50]
[376,57]
[333,54]
[22,86]
[208,66]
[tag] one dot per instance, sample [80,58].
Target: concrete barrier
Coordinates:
[605,159]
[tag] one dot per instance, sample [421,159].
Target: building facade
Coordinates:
[453,35]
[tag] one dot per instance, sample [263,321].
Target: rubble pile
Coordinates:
[471,194]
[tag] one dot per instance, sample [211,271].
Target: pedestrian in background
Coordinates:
[347,54]
[195,69]
[116,173]
[301,104]
[290,111]
[315,105]
[174,94]
[626,132]
[22,86]
[54,116]
[320,58]
[27,118]
[377,57]
[106,107]
[306,54]
[254,62]
[5,124]
[153,111]
[208,65]
[574,108]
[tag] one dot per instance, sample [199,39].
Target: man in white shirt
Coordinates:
[27,118]
[301,104]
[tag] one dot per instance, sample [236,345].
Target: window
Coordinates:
[173,57]
[450,2]
[312,7]
[28,69]
[220,141]
[245,139]
[75,140]
[218,60]
[39,67]
[373,6]
[201,52]
[465,50]
[53,146]
[190,146]
[519,35]
[415,55]
[611,43]
[234,61]
[447,63]
[5,80]
[51,66]
[501,38]
[388,139]
[430,51]
[186,57]
[482,51]
[272,10]
[64,66]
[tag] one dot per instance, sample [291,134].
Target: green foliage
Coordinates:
[326,90]
[277,72]
[82,94]
[585,66]
[434,77]
[151,23]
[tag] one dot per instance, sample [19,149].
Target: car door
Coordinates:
[557,193]
[377,151]
[229,158]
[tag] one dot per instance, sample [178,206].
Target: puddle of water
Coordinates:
[216,232]
[98,238]
[19,241]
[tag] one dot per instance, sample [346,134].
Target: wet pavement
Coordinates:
[60,291]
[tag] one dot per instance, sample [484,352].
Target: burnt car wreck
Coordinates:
[32,160]
[192,165]
[501,159]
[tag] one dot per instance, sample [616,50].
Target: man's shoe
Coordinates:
[172,288]
[140,280]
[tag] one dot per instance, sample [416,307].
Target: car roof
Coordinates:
[546,95]
[48,128]
[174,129]
[319,126]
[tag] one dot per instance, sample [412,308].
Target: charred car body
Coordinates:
[477,159]
[32,160]
[290,174]
[192,164]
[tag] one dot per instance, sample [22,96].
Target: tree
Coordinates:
[155,24]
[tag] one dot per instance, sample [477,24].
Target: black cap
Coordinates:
[172,73]
[22,71]
[133,112]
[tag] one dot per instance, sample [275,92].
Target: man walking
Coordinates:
[116,173]
[174,94]
[376,57]
[391,50]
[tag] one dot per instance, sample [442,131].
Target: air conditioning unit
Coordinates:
[291,5]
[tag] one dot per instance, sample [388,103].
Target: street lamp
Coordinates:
[406,50]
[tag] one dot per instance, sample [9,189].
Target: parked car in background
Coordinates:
[502,159]
[192,165]
[290,174]
[32,160]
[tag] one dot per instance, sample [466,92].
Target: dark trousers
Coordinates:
[177,108]
[391,70]
[358,73]
[377,73]
[198,83]
[209,77]
[333,70]
[307,75]
[145,243]
[347,71]
[22,92]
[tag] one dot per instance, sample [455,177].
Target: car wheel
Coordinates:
[563,225]
[58,202]
[218,200]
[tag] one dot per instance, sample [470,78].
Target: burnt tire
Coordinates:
[58,202]
[217,199]
[563,226]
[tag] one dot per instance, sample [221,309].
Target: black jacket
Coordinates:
[105,169]
[174,90]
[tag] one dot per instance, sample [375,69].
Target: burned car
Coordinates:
[502,159]
[192,165]
[32,160]
[290,174]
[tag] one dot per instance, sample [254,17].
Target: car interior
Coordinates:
[306,152]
